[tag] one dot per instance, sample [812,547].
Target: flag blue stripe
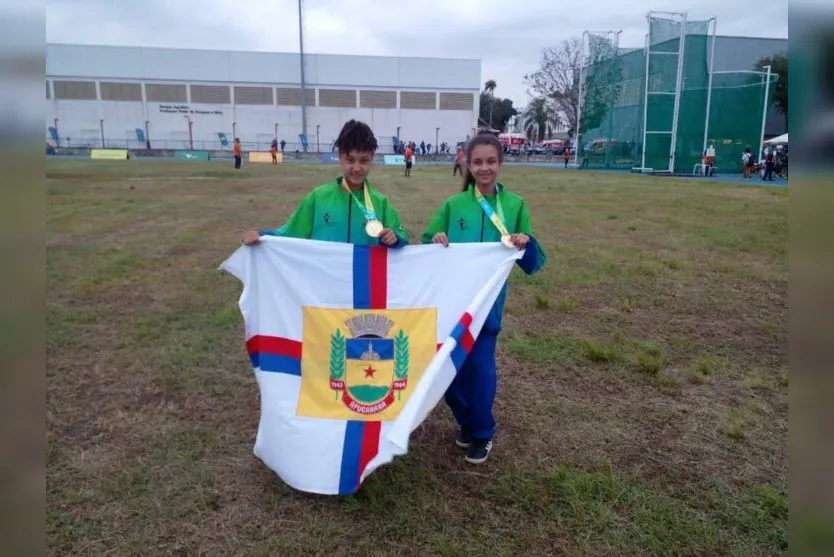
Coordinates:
[361,277]
[458,356]
[276,363]
[349,473]
[457,332]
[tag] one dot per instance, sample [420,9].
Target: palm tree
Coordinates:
[489,89]
[539,119]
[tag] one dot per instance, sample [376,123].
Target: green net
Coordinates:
[612,120]
[605,127]
[733,125]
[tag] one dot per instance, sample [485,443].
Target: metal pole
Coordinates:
[646,96]
[673,144]
[709,83]
[582,70]
[101,127]
[303,81]
[612,100]
[764,111]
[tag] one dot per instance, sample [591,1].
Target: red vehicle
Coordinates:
[512,139]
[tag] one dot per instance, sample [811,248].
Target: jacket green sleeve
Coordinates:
[534,257]
[438,223]
[390,219]
[300,223]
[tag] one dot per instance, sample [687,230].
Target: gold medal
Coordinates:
[374,228]
[507,240]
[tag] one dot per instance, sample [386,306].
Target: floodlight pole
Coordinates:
[764,111]
[581,95]
[646,95]
[709,83]
[613,100]
[303,81]
[673,144]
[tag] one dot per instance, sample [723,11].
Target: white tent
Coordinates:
[780,140]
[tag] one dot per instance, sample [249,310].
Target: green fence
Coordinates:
[621,117]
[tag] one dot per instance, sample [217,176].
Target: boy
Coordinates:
[346,209]
[409,152]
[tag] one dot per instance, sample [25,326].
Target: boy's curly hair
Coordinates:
[356,135]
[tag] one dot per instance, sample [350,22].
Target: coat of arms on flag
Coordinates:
[352,346]
[357,364]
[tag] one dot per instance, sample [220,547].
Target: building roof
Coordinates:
[178,64]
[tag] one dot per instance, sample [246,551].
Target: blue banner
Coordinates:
[397,160]
[329,158]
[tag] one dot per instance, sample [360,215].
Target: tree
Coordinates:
[540,119]
[557,79]
[489,89]
[502,110]
[778,65]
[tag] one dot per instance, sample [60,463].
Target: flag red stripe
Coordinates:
[378,274]
[466,320]
[467,341]
[370,445]
[379,277]
[278,346]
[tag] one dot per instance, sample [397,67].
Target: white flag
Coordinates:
[352,346]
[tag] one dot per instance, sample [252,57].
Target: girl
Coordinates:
[346,209]
[483,212]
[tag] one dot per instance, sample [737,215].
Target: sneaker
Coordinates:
[479,451]
[463,439]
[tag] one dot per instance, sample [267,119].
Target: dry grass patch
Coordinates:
[152,407]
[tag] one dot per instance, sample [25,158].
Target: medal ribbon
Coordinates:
[497,220]
[368,209]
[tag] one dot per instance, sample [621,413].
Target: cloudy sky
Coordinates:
[507,36]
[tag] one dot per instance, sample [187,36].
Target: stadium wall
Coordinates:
[128,95]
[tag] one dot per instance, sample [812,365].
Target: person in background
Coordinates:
[283,144]
[709,161]
[458,162]
[485,211]
[273,150]
[236,153]
[747,163]
[409,153]
[347,209]
[769,164]
[566,154]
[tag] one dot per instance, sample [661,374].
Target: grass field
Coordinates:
[643,379]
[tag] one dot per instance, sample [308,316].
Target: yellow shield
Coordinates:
[363,364]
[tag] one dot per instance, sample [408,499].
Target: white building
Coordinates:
[202,99]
